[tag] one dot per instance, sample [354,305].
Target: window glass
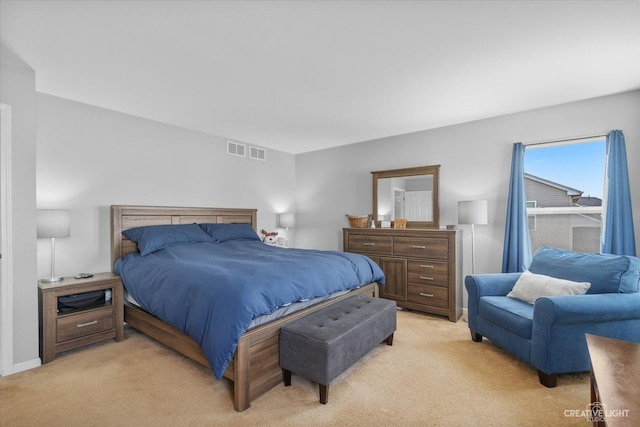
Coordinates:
[564,191]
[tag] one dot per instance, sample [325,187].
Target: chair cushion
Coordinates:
[511,314]
[606,273]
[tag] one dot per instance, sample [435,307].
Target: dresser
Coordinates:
[422,267]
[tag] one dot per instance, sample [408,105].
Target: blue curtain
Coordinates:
[516,255]
[617,231]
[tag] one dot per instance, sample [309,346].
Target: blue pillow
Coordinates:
[606,273]
[631,279]
[155,237]
[235,231]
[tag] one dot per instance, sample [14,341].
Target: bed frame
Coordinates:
[255,367]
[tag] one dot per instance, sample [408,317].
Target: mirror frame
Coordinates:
[433,170]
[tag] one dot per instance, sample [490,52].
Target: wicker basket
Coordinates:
[358,221]
[400,223]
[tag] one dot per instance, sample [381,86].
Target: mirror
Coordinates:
[410,193]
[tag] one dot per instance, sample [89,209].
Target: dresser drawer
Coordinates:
[83,324]
[428,273]
[429,295]
[381,245]
[424,247]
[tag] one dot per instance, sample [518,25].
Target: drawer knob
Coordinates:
[426,266]
[418,247]
[426,278]
[426,295]
[82,325]
[368,244]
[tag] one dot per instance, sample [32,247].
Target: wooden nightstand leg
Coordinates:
[48,340]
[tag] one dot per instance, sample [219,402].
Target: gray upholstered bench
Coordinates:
[324,344]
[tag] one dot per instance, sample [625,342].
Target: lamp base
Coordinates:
[52,279]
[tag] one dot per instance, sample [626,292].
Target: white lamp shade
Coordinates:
[53,223]
[473,212]
[286,220]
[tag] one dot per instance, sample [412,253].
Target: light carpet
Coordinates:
[433,375]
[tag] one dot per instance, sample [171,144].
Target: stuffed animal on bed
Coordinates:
[282,242]
[269,237]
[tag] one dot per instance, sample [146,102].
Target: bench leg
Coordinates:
[286,377]
[324,393]
[389,340]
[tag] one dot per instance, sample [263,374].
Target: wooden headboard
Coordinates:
[126,217]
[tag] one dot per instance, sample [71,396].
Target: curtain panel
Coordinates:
[516,255]
[618,235]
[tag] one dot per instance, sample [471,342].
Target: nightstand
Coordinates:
[65,331]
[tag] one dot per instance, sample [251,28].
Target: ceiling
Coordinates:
[299,76]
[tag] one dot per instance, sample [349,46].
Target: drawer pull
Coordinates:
[418,247]
[426,278]
[426,266]
[368,244]
[82,325]
[422,294]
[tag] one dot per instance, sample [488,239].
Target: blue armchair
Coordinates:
[550,334]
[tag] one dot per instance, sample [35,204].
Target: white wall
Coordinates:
[475,161]
[17,89]
[89,158]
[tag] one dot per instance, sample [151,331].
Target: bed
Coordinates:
[254,367]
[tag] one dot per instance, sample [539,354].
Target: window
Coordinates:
[564,191]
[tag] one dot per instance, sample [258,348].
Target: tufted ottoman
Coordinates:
[324,344]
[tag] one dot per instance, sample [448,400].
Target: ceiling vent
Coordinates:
[258,153]
[236,149]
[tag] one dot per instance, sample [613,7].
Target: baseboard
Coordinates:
[465,314]
[23,366]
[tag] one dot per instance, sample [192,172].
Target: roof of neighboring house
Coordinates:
[588,201]
[570,191]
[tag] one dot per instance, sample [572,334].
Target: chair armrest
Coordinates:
[481,285]
[591,308]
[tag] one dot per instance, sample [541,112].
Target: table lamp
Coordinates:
[286,220]
[53,223]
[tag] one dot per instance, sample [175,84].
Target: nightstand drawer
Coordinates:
[83,324]
[370,244]
[421,247]
[428,273]
[429,295]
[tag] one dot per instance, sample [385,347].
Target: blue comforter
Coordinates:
[212,291]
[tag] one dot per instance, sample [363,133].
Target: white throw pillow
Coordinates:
[530,287]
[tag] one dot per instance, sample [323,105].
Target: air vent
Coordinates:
[258,153]
[236,149]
